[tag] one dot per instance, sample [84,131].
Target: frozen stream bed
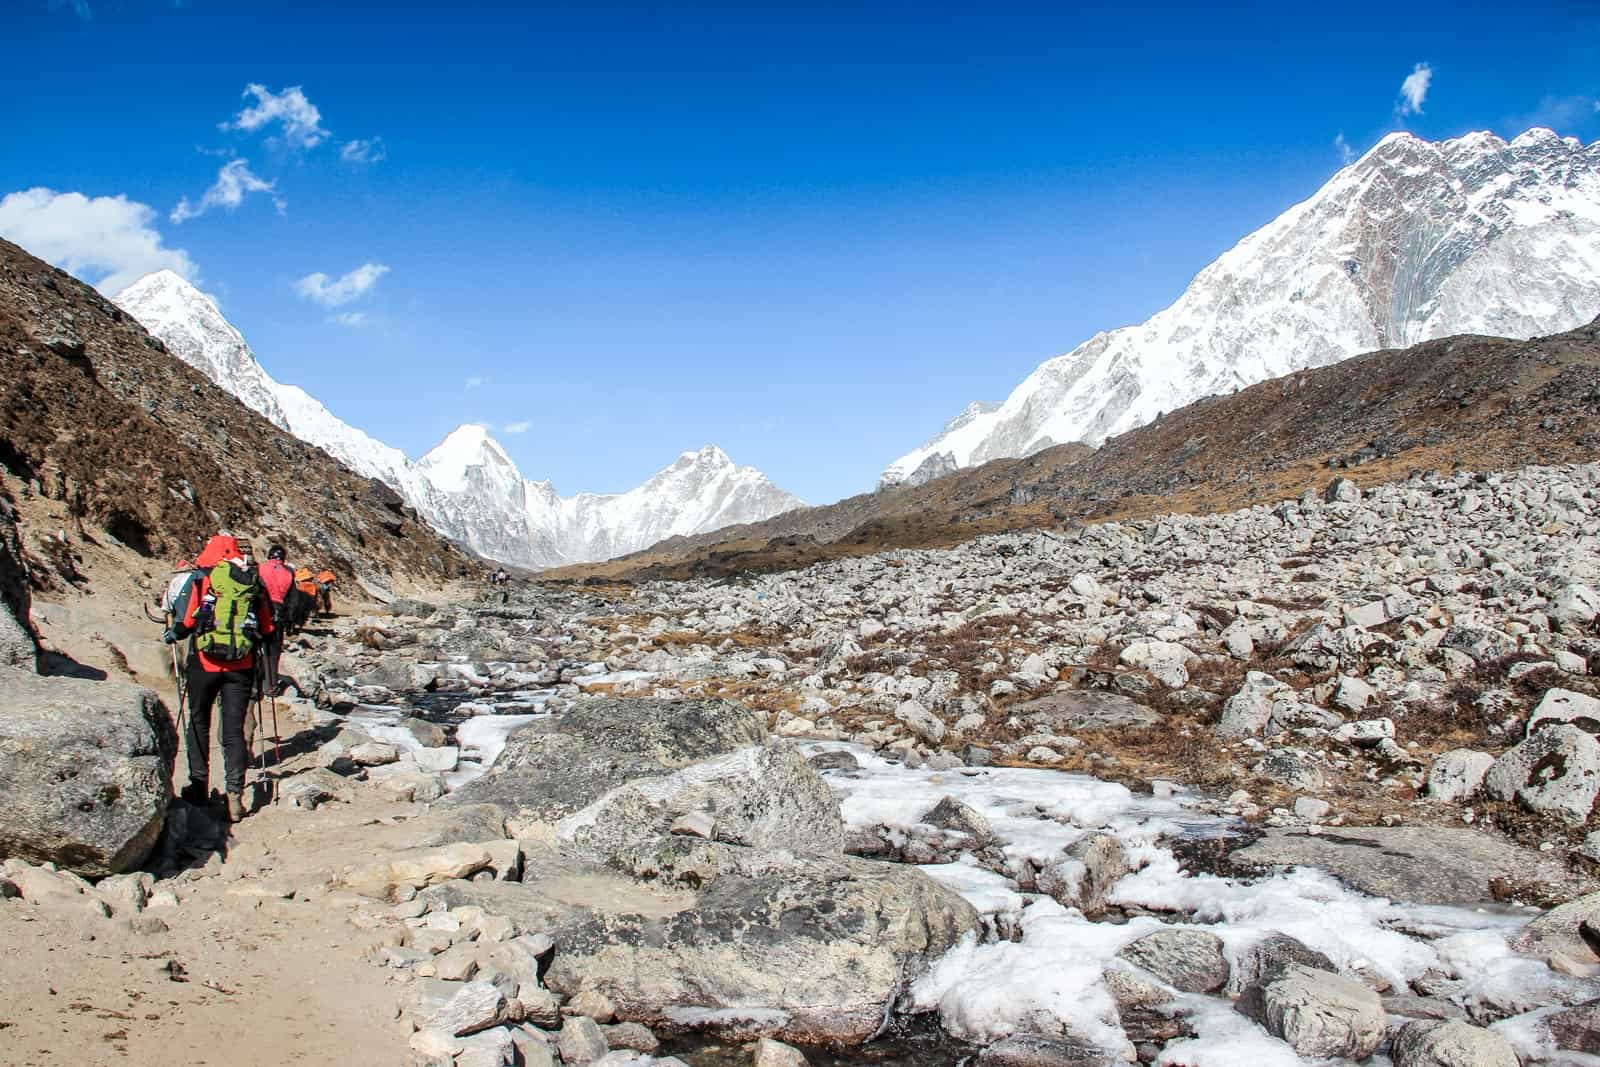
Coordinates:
[1042,965]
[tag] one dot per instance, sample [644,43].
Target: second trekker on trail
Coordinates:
[228,614]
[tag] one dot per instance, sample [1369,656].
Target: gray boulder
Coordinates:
[1319,1014]
[1067,710]
[1577,1029]
[1453,1043]
[1458,774]
[1560,931]
[1556,771]
[1427,864]
[803,949]
[1038,1050]
[86,770]
[552,769]
[1189,960]
[1563,705]
[1268,957]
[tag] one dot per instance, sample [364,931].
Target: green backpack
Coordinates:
[232,632]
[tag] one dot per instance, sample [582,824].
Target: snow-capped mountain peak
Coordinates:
[194,329]
[467,486]
[1414,240]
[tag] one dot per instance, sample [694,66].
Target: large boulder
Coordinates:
[1560,932]
[19,644]
[86,771]
[806,949]
[1320,1015]
[1068,710]
[1556,771]
[1427,864]
[691,870]
[552,769]
[1453,1043]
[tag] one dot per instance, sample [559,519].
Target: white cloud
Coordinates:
[105,240]
[234,182]
[516,427]
[301,121]
[1414,90]
[353,319]
[79,8]
[475,382]
[332,293]
[366,151]
[1346,153]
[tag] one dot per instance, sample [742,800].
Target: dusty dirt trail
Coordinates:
[259,964]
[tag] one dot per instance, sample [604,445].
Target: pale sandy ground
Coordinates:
[268,980]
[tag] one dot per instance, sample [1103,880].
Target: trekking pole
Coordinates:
[272,698]
[178,679]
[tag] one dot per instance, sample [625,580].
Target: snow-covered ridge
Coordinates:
[1413,241]
[467,487]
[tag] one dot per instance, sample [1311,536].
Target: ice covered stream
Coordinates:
[1042,965]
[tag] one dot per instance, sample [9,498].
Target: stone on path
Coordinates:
[581,1041]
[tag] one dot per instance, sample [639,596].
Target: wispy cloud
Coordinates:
[235,181]
[363,151]
[474,382]
[106,240]
[336,292]
[353,319]
[1414,90]
[80,8]
[516,427]
[298,116]
[1346,153]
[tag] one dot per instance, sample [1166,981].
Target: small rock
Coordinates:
[581,1041]
[770,1053]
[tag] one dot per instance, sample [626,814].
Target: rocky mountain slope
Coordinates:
[467,487]
[144,449]
[1482,402]
[1414,241]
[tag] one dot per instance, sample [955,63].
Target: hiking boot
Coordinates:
[236,810]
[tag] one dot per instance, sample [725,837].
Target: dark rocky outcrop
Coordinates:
[19,644]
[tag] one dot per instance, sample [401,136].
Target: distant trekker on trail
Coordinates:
[325,581]
[228,613]
[277,579]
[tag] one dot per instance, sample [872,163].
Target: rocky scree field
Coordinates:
[1307,782]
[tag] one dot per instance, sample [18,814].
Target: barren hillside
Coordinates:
[97,415]
[1482,402]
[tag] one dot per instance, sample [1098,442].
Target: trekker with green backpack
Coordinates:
[228,615]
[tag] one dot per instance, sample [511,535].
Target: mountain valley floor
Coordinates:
[1139,785]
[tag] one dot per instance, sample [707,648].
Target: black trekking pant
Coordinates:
[204,689]
[272,648]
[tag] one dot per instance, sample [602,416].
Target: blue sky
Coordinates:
[634,230]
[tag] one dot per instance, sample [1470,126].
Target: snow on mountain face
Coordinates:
[467,487]
[193,329]
[1415,240]
[489,505]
